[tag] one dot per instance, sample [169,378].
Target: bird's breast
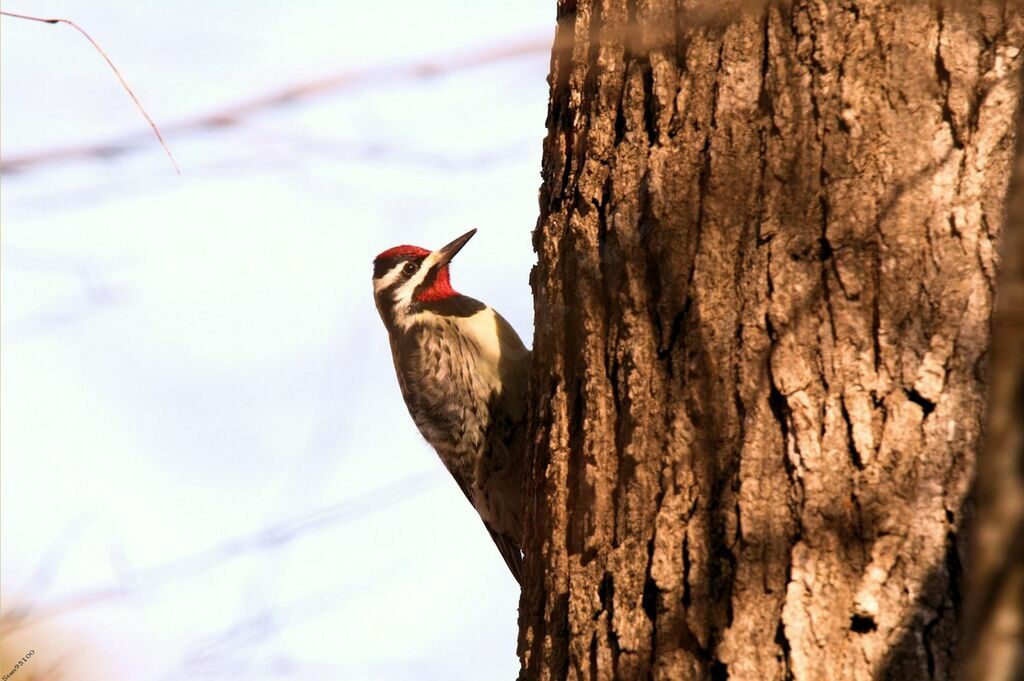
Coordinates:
[448,386]
[463,380]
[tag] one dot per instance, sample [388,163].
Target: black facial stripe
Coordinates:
[382,266]
[388,293]
[454,306]
[427,282]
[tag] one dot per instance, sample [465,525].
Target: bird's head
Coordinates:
[408,280]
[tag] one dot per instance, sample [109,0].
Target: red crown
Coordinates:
[403,251]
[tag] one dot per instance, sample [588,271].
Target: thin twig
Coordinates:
[124,83]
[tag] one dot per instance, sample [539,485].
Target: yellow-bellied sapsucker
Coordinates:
[463,372]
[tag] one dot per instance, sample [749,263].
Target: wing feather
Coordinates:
[507,546]
[509,551]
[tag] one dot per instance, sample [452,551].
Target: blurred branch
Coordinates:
[245,644]
[268,538]
[235,114]
[124,83]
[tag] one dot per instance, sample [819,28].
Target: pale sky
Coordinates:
[207,468]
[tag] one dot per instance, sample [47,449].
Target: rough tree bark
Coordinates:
[766,272]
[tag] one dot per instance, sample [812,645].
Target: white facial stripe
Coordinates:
[403,295]
[388,279]
[416,279]
[431,260]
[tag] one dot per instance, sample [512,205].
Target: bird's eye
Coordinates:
[410,268]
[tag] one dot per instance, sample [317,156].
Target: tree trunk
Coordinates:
[995,586]
[765,283]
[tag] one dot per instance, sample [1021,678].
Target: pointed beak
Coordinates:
[445,254]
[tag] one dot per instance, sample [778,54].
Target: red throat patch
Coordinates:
[439,290]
